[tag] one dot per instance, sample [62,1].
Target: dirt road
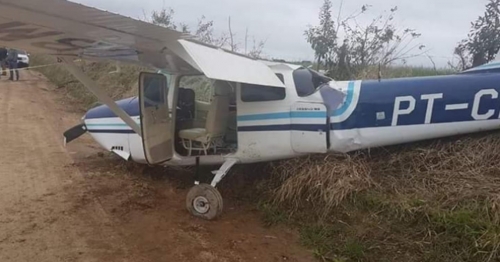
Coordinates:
[78,204]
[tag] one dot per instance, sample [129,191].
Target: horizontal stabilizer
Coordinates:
[74,133]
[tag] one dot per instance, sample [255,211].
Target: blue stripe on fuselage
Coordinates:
[112,131]
[291,127]
[108,125]
[348,100]
[281,115]
[379,97]
[286,127]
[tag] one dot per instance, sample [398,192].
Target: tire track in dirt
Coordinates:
[35,173]
[4,98]
[104,234]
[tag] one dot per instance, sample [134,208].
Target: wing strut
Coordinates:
[93,87]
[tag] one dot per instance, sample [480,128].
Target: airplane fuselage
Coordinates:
[405,110]
[371,114]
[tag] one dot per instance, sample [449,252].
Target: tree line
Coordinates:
[346,49]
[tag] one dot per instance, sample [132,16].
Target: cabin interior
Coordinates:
[205,119]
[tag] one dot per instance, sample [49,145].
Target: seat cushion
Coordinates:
[197,134]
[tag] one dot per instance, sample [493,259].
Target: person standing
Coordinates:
[12,59]
[3,61]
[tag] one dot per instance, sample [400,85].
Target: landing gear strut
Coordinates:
[204,200]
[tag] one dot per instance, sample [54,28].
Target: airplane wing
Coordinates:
[491,66]
[66,29]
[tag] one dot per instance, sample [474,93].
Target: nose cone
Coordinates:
[110,131]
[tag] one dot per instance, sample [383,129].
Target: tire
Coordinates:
[204,201]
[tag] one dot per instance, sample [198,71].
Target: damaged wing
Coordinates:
[66,29]
[63,28]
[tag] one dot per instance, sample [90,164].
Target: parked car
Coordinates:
[23,59]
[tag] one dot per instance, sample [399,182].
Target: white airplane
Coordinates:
[209,106]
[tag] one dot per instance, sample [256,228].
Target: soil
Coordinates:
[79,203]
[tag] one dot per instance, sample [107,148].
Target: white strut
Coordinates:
[223,170]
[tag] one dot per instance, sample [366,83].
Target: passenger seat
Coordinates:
[215,127]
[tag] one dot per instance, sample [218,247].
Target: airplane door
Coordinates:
[310,130]
[157,137]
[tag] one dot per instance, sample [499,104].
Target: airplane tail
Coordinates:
[492,66]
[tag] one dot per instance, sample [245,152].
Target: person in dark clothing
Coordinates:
[3,61]
[12,59]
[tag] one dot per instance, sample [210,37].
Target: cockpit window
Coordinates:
[154,91]
[307,81]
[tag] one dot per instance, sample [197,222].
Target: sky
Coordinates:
[281,23]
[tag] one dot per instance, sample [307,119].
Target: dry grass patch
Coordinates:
[320,182]
[430,201]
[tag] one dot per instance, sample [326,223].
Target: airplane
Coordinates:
[204,105]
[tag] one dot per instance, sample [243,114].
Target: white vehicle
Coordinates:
[213,107]
[23,59]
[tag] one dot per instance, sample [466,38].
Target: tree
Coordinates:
[323,38]
[380,42]
[205,32]
[361,46]
[164,17]
[483,42]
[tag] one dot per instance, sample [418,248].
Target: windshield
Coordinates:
[307,81]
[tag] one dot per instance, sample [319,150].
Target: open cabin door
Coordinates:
[310,128]
[157,137]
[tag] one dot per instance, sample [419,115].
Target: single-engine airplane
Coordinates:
[209,106]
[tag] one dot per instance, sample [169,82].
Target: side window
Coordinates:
[308,81]
[258,93]
[280,76]
[154,92]
[201,85]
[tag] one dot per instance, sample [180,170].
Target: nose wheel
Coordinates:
[204,201]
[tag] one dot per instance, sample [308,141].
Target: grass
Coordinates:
[273,214]
[410,71]
[117,85]
[429,201]
[324,241]
[403,71]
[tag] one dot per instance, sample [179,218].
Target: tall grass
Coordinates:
[402,71]
[429,201]
[116,85]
